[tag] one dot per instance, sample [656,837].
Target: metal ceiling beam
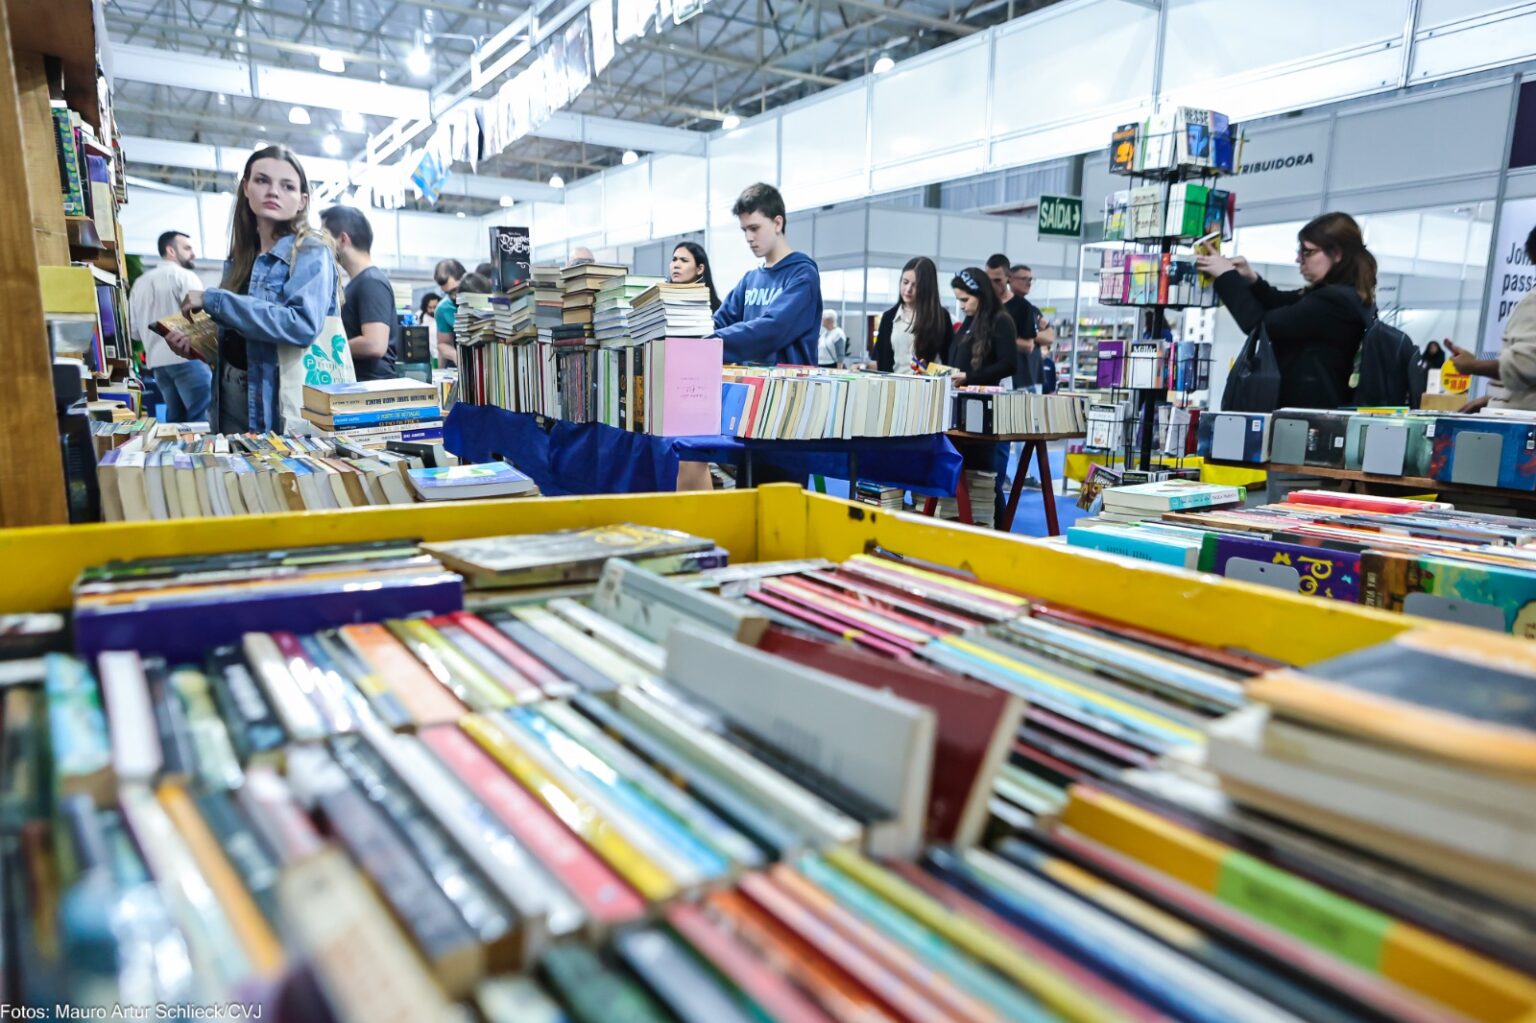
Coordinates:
[734,62]
[901,14]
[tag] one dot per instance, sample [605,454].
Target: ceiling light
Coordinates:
[506,202]
[383,75]
[223,100]
[884,64]
[298,115]
[629,157]
[331,144]
[460,214]
[730,122]
[418,62]
[426,38]
[331,61]
[556,181]
[351,120]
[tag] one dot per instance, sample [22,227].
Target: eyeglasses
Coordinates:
[1307,251]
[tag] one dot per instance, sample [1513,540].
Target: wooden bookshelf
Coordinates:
[32,233]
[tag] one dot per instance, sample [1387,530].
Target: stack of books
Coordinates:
[993,410]
[882,497]
[514,315]
[1142,501]
[371,413]
[671,310]
[1179,138]
[546,296]
[802,403]
[474,321]
[579,286]
[611,313]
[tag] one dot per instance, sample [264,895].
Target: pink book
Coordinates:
[687,386]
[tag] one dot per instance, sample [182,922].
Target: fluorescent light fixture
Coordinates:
[730,122]
[506,202]
[418,62]
[353,121]
[629,157]
[298,115]
[884,64]
[331,145]
[331,61]
[556,181]
[460,214]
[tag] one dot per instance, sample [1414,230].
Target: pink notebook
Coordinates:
[687,386]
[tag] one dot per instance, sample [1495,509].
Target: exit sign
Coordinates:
[1061,215]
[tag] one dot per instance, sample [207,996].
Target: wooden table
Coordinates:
[1033,443]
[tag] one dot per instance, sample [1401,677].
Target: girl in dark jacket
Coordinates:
[984,349]
[1315,331]
[916,327]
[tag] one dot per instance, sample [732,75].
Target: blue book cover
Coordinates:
[1458,458]
[733,405]
[461,477]
[379,417]
[1127,543]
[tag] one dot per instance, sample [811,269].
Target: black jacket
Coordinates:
[885,355]
[1315,334]
[1001,358]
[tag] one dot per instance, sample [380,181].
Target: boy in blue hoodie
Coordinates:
[774,314]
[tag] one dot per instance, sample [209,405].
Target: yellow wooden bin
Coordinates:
[771,523]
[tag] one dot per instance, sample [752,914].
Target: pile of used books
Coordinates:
[371,413]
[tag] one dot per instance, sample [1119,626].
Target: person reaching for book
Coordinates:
[1515,366]
[773,315]
[690,265]
[281,283]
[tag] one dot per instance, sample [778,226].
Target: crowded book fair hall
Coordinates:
[768,511]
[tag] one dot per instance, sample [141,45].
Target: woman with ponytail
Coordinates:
[984,350]
[1316,330]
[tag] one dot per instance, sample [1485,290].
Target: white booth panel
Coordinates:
[1066,47]
[432,236]
[1024,245]
[930,104]
[677,194]
[548,224]
[1212,39]
[216,209]
[840,233]
[1281,161]
[1437,13]
[740,158]
[1258,95]
[1503,38]
[584,206]
[822,149]
[386,236]
[729,256]
[1084,136]
[943,167]
[149,212]
[904,233]
[627,204]
[968,241]
[1385,146]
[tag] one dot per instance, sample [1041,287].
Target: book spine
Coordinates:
[254,730]
[136,755]
[77,730]
[595,992]
[426,700]
[180,759]
[471,685]
[380,417]
[72,177]
[257,866]
[289,699]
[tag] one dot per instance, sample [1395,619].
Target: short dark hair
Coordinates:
[476,284]
[760,198]
[349,221]
[447,268]
[486,269]
[997,261]
[1530,245]
[168,238]
[1019,268]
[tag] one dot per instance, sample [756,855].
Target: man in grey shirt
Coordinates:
[186,385]
[368,311]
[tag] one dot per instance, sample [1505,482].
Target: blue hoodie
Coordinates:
[774,315]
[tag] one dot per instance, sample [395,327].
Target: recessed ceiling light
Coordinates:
[556,181]
[629,157]
[460,214]
[351,120]
[331,61]
[419,62]
[730,122]
[331,145]
[298,115]
[506,202]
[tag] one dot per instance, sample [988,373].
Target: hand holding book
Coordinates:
[189,336]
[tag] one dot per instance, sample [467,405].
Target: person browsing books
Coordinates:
[916,330]
[448,273]
[186,385]
[983,353]
[1315,331]
[1515,366]
[690,265]
[368,306]
[428,310]
[831,343]
[1011,282]
[280,284]
[774,314]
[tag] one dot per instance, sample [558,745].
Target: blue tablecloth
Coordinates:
[591,458]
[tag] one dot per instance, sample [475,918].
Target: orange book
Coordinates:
[425,699]
[845,1000]
[256,937]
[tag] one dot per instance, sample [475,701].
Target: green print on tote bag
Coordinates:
[326,360]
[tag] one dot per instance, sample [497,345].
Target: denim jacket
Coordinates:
[289,297]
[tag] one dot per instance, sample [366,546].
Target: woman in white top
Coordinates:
[916,329]
[832,344]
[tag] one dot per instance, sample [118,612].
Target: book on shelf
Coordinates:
[470,482]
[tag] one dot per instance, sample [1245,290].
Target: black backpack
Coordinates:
[1384,366]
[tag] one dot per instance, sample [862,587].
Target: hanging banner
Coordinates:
[601,14]
[1510,272]
[578,56]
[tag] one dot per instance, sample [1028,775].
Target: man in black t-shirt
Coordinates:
[368,314]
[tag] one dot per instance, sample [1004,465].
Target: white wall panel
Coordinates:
[840,233]
[926,170]
[1050,48]
[929,105]
[677,195]
[1503,37]
[739,158]
[1258,95]
[432,236]
[1386,145]
[386,236]
[1437,13]
[902,233]
[627,204]
[584,207]
[823,143]
[151,212]
[215,209]
[968,241]
[730,256]
[1282,161]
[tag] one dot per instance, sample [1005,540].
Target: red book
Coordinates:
[520,660]
[607,900]
[863,604]
[1364,502]
[822,621]
[882,596]
[756,979]
[515,682]
[890,989]
[976,724]
[838,610]
[1071,970]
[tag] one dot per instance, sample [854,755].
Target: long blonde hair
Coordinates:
[245,239]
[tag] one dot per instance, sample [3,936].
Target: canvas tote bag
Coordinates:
[325,360]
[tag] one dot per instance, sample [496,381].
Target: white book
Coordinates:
[136,754]
[1235,750]
[296,706]
[808,715]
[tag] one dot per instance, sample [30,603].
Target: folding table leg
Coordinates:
[963,500]
[1018,487]
[1047,490]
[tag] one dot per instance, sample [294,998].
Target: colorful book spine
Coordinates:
[424,697]
[71,172]
[218,766]
[462,676]
[77,730]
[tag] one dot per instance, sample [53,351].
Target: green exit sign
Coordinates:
[1061,215]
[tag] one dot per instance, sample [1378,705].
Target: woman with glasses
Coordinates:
[1316,330]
